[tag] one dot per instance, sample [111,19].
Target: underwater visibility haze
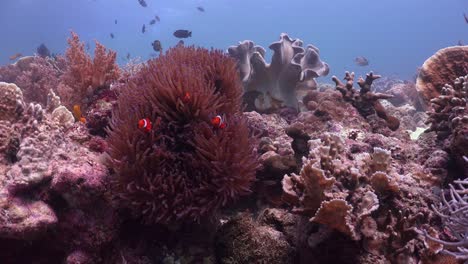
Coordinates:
[237,132]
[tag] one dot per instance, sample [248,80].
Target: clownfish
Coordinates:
[145,125]
[186,98]
[78,114]
[218,122]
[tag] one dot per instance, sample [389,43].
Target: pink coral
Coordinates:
[84,75]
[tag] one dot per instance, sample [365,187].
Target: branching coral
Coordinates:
[272,85]
[365,101]
[184,168]
[449,118]
[454,214]
[83,74]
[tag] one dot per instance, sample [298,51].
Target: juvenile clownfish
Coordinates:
[186,98]
[78,114]
[145,125]
[218,122]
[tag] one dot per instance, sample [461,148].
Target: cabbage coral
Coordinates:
[184,168]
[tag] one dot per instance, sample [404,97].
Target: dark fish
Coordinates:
[143,29]
[87,46]
[157,46]
[128,56]
[152,22]
[201,9]
[115,21]
[111,35]
[466,18]
[157,18]
[142,3]
[460,43]
[182,33]
[180,43]
[43,51]
[361,61]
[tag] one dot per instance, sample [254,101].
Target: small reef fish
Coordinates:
[78,114]
[115,21]
[128,56]
[218,122]
[15,56]
[182,33]
[157,18]
[157,46]
[186,97]
[142,3]
[43,51]
[143,29]
[180,43]
[460,43]
[145,125]
[466,18]
[201,9]
[87,46]
[111,35]
[152,22]
[361,61]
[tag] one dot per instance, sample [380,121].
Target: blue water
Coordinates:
[395,35]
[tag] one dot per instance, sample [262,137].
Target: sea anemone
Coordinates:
[184,168]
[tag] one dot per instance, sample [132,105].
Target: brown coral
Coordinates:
[365,101]
[184,169]
[440,69]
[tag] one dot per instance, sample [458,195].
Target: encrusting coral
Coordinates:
[269,86]
[184,169]
[440,69]
[365,101]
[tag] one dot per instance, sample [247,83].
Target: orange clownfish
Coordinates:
[218,122]
[78,114]
[186,97]
[145,125]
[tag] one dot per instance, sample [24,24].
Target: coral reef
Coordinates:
[49,182]
[366,101]
[353,192]
[184,169]
[440,69]
[319,173]
[269,86]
